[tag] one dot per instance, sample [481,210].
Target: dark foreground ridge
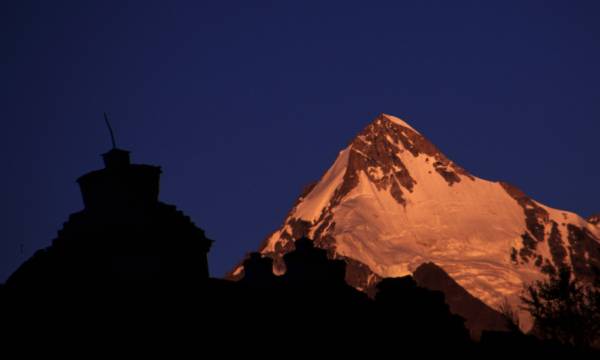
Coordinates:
[132,267]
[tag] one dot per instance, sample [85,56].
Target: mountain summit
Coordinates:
[392,201]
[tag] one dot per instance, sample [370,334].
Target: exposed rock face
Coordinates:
[594,219]
[393,201]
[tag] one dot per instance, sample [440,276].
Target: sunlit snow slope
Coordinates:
[392,201]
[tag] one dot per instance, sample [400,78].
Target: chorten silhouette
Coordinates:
[124,238]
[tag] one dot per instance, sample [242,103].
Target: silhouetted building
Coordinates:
[121,186]
[123,237]
[132,264]
[310,265]
[258,271]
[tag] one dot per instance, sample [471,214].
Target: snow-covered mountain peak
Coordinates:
[393,201]
[397,121]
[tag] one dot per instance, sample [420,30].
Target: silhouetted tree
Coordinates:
[565,309]
[511,316]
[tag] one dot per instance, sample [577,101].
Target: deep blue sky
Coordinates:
[244,103]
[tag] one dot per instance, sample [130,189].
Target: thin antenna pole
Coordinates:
[112,135]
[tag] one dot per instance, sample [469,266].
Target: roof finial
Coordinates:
[112,135]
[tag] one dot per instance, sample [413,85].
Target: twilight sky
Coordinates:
[243,103]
